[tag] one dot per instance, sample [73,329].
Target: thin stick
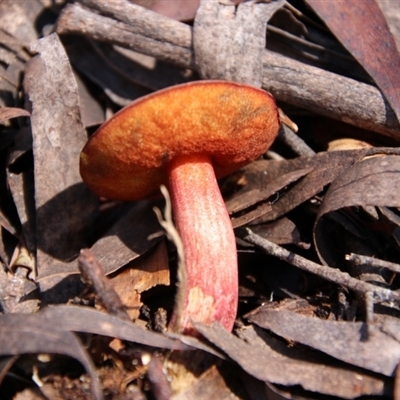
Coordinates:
[359,259]
[331,274]
[93,274]
[296,143]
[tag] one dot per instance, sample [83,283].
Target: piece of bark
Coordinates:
[176,9]
[229,40]
[329,94]
[65,206]
[288,80]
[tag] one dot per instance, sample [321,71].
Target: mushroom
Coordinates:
[186,137]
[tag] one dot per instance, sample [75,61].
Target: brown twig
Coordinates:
[288,80]
[359,259]
[331,274]
[296,143]
[93,274]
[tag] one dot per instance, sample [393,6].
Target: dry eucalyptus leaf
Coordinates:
[365,31]
[310,364]
[29,334]
[120,87]
[142,274]
[252,204]
[389,325]
[281,231]
[325,168]
[148,71]
[370,182]
[91,110]
[209,385]
[391,11]
[125,241]
[267,363]
[346,341]
[65,206]
[21,186]
[11,45]
[88,320]
[131,236]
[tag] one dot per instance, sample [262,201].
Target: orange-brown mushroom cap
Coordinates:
[232,123]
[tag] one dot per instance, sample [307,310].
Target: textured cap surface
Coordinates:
[126,158]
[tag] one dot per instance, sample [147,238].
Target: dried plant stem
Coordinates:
[331,274]
[288,80]
[92,273]
[172,234]
[359,259]
[297,144]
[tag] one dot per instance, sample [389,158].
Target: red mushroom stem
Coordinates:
[190,130]
[208,290]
